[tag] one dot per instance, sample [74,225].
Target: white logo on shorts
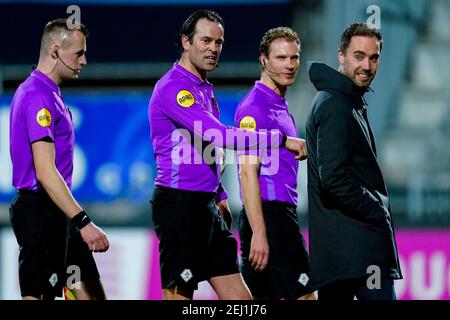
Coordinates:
[53,279]
[186,275]
[303,279]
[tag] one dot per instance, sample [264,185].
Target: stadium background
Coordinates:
[132,43]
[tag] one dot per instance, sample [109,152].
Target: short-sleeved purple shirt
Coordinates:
[265,109]
[183,101]
[38,112]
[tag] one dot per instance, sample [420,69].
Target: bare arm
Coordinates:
[259,248]
[54,184]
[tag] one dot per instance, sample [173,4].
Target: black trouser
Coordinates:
[349,289]
[49,244]
[195,244]
[287,273]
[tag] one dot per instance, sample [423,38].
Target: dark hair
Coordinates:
[56,26]
[359,29]
[277,33]
[188,27]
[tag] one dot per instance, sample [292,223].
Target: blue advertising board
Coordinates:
[113,157]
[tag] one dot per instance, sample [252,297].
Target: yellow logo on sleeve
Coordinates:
[185,99]
[248,123]
[44,118]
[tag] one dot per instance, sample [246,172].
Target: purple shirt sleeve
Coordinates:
[250,118]
[221,193]
[40,117]
[193,116]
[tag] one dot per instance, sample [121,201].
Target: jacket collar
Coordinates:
[324,77]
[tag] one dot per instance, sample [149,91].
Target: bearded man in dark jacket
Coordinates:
[353,251]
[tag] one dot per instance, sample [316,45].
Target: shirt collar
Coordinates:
[190,75]
[49,82]
[275,97]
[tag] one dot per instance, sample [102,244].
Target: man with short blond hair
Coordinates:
[42,145]
[274,256]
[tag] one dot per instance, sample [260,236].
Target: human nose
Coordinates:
[366,64]
[293,64]
[83,60]
[213,47]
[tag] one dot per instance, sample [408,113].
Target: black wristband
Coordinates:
[283,140]
[81,220]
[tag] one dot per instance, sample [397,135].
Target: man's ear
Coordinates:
[341,57]
[262,59]
[53,51]
[185,42]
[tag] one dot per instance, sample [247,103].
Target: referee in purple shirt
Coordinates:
[51,228]
[274,257]
[187,137]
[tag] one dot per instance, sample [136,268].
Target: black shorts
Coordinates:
[195,244]
[49,244]
[287,273]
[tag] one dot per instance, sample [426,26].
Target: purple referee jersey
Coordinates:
[38,112]
[262,108]
[185,131]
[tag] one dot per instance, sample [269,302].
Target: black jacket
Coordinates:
[350,221]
